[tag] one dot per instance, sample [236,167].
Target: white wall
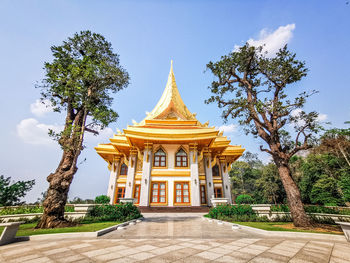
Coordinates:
[170,150]
[171,180]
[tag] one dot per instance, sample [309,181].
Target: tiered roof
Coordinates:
[169,122]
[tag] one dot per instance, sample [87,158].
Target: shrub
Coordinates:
[26,209]
[244,199]
[313,209]
[102,199]
[279,208]
[320,209]
[120,212]
[230,211]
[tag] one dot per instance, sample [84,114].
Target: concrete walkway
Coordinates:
[177,238]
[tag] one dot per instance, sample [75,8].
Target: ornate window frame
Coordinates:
[154,158]
[187,158]
[120,169]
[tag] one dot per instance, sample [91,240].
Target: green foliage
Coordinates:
[269,184]
[322,180]
[324,191]
[344,184]
[79,80]
[250,176]
[321,209]
[243,218]
[280,208]
[230,210]
[28,209]
[102,199]
[254,89]
[119,212]
[78,200]
[244,199]
[10,194]
[313,209]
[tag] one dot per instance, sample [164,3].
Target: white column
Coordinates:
[146,175]
[113,180]
[226,184]
[195,194]
[208,177]
[131,174]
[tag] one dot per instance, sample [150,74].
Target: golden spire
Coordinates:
[171,105]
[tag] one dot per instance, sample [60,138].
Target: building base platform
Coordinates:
[174,209]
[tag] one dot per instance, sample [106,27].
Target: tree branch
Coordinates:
[92,131]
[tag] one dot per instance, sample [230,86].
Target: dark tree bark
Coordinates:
[300,219]
[60,180]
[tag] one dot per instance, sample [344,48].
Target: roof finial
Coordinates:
[171,65]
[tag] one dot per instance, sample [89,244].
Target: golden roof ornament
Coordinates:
[170,105]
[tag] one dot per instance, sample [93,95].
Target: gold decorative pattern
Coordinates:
[170,104]
[200,167]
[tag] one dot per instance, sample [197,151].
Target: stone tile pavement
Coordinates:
[130,245]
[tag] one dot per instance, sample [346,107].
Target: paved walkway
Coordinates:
[176,238]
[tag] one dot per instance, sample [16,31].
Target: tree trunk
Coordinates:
[60,180]
[300,218]
[57,194]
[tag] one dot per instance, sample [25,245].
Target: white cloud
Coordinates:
[33,132]
[322,117]
[295,112]
[273,41]
[40,108]
[228,129]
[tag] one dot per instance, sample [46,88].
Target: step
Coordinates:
[167,209]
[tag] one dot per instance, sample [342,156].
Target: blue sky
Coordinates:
[147,35]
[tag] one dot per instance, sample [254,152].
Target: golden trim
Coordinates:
[126,161]
[170,173]
[121,180]
[188,155]
[213,162]
[166,158]
[217,181]
[200,157]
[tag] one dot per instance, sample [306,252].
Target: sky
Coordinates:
[147,35]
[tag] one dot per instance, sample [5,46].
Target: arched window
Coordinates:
[159,158]
[215,170]
[181,158]
[124,169]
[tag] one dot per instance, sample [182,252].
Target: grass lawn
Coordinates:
[28,229]
[287,226]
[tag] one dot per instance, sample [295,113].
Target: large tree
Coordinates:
[256,88]
[78,82]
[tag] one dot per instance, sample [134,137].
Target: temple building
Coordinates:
[169,159]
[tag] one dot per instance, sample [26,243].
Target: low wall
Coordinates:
[19,217]
[265,210]
[80,211]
